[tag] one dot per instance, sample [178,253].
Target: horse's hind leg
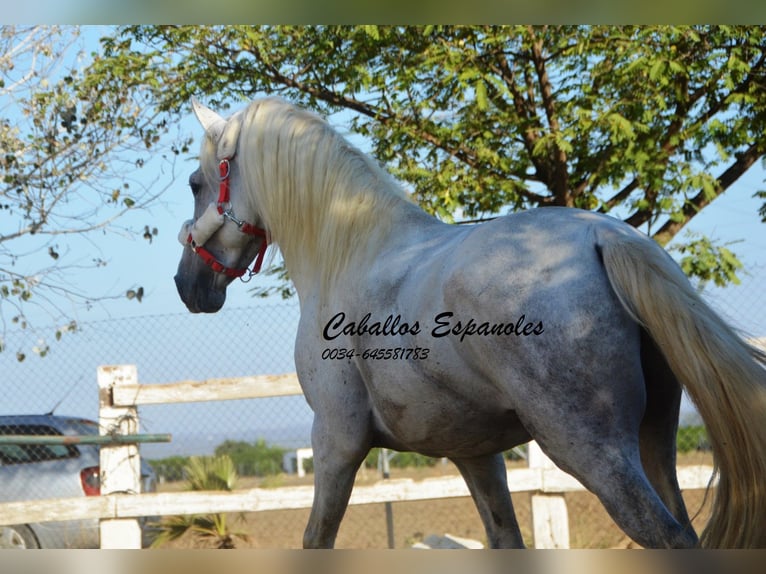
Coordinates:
[659,428]
[629,498]
[487,481]
[609,465]
[590,426]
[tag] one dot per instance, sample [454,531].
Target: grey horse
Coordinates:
[555,324]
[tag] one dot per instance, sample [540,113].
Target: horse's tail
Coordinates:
[724,376]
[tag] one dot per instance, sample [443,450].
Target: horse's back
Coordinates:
[543,261]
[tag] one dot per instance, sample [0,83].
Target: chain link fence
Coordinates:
[258,434]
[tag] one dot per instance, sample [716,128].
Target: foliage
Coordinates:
[762,209]
[170,468]
[210,473]
[248,459]
[69,142]
[649,123]
[253,459]
[708,262]
[517,453]
[400,459]
[204,473]
[691,438]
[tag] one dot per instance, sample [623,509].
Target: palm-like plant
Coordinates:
[204,473]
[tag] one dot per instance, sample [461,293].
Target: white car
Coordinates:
[34,472]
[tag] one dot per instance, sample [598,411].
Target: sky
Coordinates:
[133,261]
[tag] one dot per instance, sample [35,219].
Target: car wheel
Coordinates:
[19,537]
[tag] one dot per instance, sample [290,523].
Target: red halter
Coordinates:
[224,169]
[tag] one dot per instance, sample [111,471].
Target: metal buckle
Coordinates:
[230,216]
[224,162]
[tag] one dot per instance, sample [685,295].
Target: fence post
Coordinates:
[550,519]
[386,472]
[120,464]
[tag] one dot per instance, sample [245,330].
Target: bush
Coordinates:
[400,459]
[170,469]
[517,453]
[692,438]
[253,459]
[204,473]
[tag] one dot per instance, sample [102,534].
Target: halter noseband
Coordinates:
[199,231]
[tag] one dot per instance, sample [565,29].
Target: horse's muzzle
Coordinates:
[199,300]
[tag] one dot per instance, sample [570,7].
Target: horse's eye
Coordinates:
[195,187]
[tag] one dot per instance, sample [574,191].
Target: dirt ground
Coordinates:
[365,526]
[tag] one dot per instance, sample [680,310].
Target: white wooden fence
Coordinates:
[119,396]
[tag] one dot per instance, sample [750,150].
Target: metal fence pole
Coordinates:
[389,508]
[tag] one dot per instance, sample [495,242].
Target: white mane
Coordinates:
[322,200]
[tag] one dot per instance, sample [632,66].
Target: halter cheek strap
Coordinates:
[196,233]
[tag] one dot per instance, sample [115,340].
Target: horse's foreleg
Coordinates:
[337,457]
[487,481]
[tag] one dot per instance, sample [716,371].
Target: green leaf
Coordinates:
[372,31]
[708,262]
[762,209]
[709,188]
[657,70]
[677,67]
[677,216]
[481,95]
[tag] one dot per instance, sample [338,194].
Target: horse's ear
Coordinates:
[221,132]
[212,123]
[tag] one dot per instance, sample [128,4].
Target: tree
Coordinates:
[68,146]
[648,123]
[252,459]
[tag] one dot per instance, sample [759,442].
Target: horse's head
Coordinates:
[225,234]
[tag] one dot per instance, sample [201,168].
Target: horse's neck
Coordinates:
[400,226]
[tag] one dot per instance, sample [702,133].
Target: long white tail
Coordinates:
[724,376]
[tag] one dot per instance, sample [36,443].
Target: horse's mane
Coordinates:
[322,200]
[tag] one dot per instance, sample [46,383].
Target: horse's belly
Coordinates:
[453,437]
[443,419]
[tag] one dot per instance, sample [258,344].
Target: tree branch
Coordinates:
[619,197]
[693,206]
[523,111]
[559,181]
[326,95]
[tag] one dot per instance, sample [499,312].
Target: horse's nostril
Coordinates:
[198,300]
[183,292]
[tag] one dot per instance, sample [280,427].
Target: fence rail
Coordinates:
[220,389]
[120,394]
